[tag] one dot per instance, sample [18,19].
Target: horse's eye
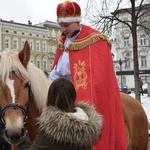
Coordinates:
[27,85]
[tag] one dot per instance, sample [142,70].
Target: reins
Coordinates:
[18,106]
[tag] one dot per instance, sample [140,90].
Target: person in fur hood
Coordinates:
[64,124]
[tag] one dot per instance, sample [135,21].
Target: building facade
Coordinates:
[124,49]
[41,37]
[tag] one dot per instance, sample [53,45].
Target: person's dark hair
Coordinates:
[62,94]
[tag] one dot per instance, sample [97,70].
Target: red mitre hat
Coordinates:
[68,12]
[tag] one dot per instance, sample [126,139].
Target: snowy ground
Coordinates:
[145,101]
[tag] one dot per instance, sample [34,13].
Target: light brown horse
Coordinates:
[136,123]
[23,94]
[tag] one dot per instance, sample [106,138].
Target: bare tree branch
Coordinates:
[102,19]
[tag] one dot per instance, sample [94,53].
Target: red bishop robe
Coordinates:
[93,76]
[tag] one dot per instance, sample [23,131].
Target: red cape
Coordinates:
[95,82]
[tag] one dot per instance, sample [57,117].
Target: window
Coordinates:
[38,63]
[44,65]
[44,47]
[6,43]
[142,40]
[15,44]
[51,64]
[37,46]
[127,62]
[143,61]
[31,45]
[126,41]
[22,43]
[50,48]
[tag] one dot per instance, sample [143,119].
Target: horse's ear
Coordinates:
[24,54]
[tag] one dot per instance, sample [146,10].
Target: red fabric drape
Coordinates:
[95,81]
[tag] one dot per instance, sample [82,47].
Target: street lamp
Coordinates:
[120,62]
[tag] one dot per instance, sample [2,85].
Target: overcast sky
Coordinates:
[34,10]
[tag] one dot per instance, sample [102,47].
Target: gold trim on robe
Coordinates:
[81,43]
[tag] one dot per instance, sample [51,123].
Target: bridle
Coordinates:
[18,106]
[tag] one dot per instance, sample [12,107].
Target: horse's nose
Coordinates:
[15,138]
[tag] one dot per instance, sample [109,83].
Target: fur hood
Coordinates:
[63,127]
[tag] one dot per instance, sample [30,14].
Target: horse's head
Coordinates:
[15,93]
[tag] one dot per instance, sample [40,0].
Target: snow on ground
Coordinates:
[145,101]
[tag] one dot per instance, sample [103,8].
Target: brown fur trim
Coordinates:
[61,127]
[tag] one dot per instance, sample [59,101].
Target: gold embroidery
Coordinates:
[80,75]
[63,10]
[84,42]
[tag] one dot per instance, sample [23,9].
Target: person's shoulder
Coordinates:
[89,29]
[94,34]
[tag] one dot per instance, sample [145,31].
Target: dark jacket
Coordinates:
[4,145]
[66,131]
[141,83]
[2,127]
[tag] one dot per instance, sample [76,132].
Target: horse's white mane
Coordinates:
[9,62]
[39,85]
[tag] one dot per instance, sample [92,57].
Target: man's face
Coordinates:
[69,28]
